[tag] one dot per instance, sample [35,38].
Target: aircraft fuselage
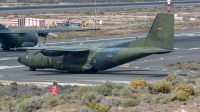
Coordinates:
[18,40]
[98,59]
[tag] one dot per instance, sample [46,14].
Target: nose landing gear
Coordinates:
[32,69]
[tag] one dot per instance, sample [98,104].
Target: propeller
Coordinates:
[6,25]
[54,35]
[44,35]
[39,42]
[75,40]
[44,39]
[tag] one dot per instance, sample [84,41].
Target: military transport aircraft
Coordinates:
[27,37]
[90,58]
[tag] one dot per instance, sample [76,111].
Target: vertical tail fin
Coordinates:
[161,34]
[3,27]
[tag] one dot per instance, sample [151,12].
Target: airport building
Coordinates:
[33,22]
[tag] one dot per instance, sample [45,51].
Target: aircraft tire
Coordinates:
[32,69]
[86,71]
[94,71]
[6,48]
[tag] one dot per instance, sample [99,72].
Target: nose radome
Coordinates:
[19,59]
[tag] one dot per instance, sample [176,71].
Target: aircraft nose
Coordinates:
[19,59]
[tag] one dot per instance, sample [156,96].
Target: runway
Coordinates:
[152,67]
[83,6]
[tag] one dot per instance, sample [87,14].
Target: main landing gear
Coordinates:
[92,71]
[32,69]
[5,48]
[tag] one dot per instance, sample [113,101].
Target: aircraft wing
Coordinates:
[56,48]
[46,30]
[58,30]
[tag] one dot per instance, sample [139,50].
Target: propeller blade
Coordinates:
[74,40]
[6,25]
[54,35]
[44,40]
[39,42]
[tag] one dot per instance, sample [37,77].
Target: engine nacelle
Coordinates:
[42,34]
[52,53]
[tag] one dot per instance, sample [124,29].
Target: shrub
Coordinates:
[127,92]
[193,76]
[178,63]
[138,82]
[182,96]
[197,88]
[192,67]
[115,92]
[1,84]
[174,79]
[107,87]
[90,97]
[53,102]
[170,64]
[161,98]
[66,97]
[66,89]
[160,86]
[25,96]
[145,98]
[184,87]
[27,105]
[130,102]
[83,108]
[111,102]
[97,107]
[78,93]
[17,91]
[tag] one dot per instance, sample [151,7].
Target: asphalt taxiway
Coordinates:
[152,67]
[84,6]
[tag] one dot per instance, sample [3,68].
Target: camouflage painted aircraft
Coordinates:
[27,37]
[90,58]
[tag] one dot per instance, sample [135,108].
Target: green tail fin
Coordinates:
[161,34]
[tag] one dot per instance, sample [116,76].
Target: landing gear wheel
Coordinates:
[94,71]
[32,69]
[6,48]
[86,71]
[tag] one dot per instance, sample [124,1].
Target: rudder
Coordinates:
[161,34]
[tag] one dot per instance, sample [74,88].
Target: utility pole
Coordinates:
[95,8]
